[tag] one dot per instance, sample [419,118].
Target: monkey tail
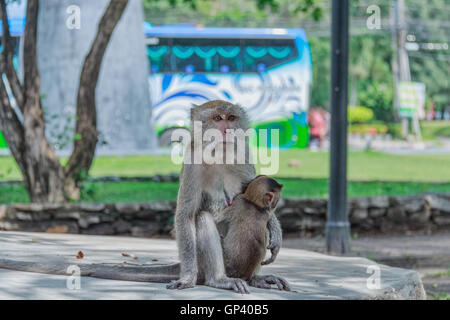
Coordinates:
[154,273]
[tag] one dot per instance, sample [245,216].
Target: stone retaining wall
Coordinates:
[298,216]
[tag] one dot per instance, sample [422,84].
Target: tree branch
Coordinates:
[31,74]
[13,130]
[45,173]
[86,125]
[8,54]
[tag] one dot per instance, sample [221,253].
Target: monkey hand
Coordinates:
[274,248]
[182,283]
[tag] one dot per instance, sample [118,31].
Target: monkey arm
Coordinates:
[275,236]
[223,221]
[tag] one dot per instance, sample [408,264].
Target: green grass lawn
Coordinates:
[128,191]
[400,175]
[362,166]
[435,129]
[431,130]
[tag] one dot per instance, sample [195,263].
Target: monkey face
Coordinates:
[225,122]
[222,116]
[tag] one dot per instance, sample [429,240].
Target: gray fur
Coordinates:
[201,200]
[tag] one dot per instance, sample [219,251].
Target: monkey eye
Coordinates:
[217,118]
[231,118]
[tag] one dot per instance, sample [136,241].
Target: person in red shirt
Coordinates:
[317,126]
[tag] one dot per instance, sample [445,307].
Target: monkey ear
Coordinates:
[268,198]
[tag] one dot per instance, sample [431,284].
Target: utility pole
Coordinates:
[403,61]
[400,62]
[394,44]
[338,226]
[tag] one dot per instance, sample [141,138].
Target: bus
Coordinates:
[265,70]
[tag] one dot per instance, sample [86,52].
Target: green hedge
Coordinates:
[359,114]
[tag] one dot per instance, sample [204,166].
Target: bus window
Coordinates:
[229,58]
[159,56]
[262,54]
[193,59]
[206,55]
[202,55]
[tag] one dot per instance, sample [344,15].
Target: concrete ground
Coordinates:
[311,275]
[429,255]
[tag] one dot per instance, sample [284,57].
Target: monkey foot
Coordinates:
[265,282]
[183,283]
[235,284]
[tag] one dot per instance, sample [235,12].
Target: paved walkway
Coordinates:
[384,246]
[312,275]
[429,255]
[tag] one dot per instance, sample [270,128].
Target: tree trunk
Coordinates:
[44,177]
[86,127]
[43,171]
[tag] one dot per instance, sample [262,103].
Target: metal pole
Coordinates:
[338,227]
[394,46]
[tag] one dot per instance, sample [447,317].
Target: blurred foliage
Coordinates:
[428,21]
[359,114]
[321,63]
[371,128]
[370,72]
[253,13]
[395,130]
[370,76]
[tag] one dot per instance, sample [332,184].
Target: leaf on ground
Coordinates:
[129,255]
[80,255]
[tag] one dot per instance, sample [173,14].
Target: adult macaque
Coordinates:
[244,243]
[205,190]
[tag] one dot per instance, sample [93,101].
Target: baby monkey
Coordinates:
[245,223]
